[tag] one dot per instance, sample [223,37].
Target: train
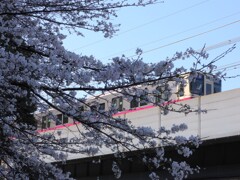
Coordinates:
[199,84]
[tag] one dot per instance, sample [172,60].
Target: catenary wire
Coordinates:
[231,66]
[170,36]
[144,24]
[189,37]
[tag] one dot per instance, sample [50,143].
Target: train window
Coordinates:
[157,99]
[101,107]
[143,100]
[217,86]
[93,108]
[197,85]
[162,94]
[181,90]
[61,119]
[65,119]
[120,108]
[165,95]
[81,108]
[45,122]
[117,103]
[134,102]
[208,89]
[158,94]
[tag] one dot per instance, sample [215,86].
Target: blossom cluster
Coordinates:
[37,73]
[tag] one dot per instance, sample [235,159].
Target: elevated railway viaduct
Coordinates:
[215,118]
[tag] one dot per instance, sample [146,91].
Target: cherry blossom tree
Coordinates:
[38,73]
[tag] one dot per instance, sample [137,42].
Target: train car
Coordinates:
[194,85]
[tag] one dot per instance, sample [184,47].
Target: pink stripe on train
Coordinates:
[117,114]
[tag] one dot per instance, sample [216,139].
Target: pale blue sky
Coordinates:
[156,29]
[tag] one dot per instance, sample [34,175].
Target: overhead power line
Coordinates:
[145,24]
[172,35]
[231,66]
[163,17]
[190,37]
